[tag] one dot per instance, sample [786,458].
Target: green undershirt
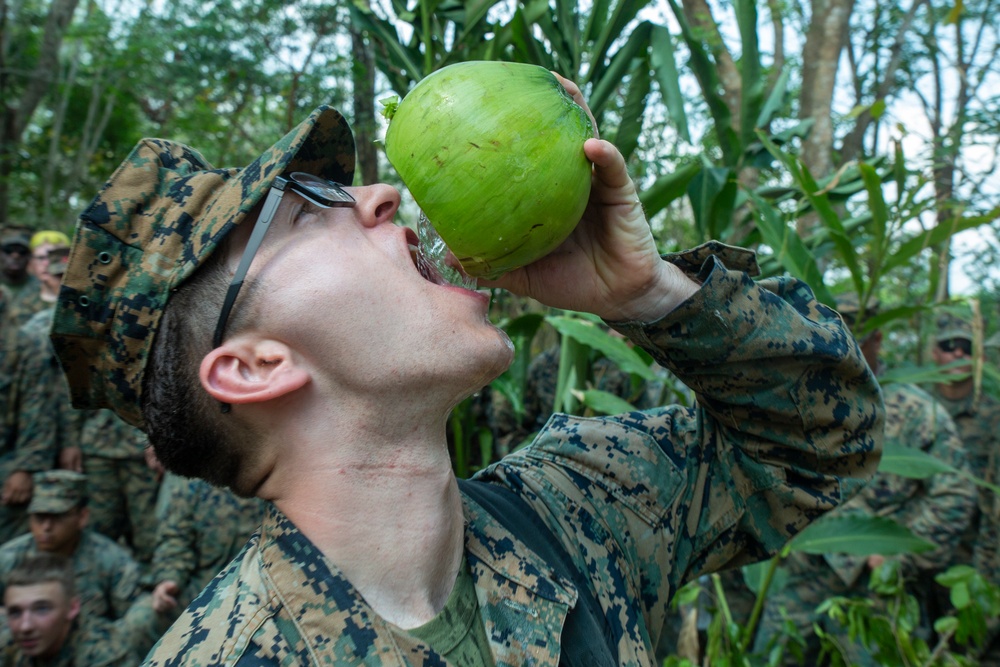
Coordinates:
[457,632]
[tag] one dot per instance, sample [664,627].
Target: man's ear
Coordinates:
[245,370]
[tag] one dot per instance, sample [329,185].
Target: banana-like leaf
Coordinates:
[918,464]
[668,187]
[789,249]
[776,100]
[821,204]
[593,336]
[603,402]
[633,110]
[623,13]
[911,374]
[664,64]
[858,536]
[619,67]
[752,79]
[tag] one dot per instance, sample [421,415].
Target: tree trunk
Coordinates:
[365,128]
[16,114]
[825,40]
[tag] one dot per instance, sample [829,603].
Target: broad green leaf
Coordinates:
[751,77]
[789,249]
[614,348]
[623,12]
[621,64]
[912,374]
[858,536]
[911,462]
[664,64]
[668,187]
[633,110]
[603,402]
[775,101]
[821,204]
[876,204]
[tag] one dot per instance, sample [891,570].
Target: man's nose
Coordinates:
[376,204]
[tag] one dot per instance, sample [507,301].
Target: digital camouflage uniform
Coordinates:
[937,509]
[107,578]
[644,501]
[34,421]
[203,529]
[539,396]
[122,487]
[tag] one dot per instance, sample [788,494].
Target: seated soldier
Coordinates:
[107,577]
[45,621]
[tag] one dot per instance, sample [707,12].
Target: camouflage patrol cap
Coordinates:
[159,216]
[57,491]
[950,324]
[15,237]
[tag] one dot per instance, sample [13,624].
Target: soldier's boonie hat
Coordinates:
[57,491]
[49,236]
[15,237]
[160,216]
[58,261]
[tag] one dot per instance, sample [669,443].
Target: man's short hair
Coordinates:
[42,568]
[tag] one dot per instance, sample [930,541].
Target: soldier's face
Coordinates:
[15,258]
[40,617]
[953,350]
[58,533]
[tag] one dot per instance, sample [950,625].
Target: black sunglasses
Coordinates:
[952,344]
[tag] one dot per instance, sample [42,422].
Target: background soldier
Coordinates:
[937,509]
[203,529]
[107,578]
[48,626]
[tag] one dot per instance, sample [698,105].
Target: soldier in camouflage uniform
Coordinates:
[46,624]
[977,416]
[325,385]
[936,509]
[22,290]
[121,487]
[39,419]
[107,578]
[204,528]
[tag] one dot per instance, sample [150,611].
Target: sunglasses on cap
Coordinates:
[952,344]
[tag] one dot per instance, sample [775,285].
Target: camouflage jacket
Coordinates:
[23,300]
[107,578]
[39,419]
[788,426]
[978,423]
[937,509]
[89,644]
[203,529]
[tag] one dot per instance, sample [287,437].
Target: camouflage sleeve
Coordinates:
[788,425]
[38,385]
[174,558]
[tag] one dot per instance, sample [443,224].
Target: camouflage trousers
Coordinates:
[123,502]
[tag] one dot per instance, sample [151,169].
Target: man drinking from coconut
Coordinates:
[324,385]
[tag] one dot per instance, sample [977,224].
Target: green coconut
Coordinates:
[493,154]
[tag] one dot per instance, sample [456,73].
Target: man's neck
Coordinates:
[385,509]
[955,391]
